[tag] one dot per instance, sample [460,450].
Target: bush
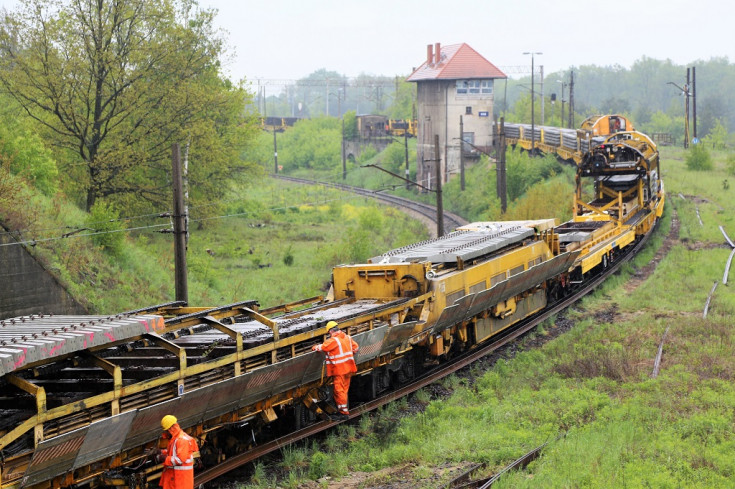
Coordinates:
[103,219]
[731,164]
[288,257]
[698,158]
[29,158]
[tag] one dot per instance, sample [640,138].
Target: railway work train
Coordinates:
[571,145]
[82,397]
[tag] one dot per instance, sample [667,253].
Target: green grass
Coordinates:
[273,232]
[589,392]
[619,427]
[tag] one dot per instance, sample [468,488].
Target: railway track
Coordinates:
[428,211]
[245,380]
[428,377]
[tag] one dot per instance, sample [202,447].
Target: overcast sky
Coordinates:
[289,39]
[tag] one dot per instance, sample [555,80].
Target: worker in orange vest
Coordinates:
[340,361]
[178,458]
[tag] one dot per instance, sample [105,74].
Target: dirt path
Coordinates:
[643,273]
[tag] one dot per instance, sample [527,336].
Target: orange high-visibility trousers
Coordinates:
[341,387]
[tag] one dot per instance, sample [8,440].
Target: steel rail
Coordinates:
[709,299]
[427,378]
[453,221]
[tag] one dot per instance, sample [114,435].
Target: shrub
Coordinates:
[731,163]
[29,158]
[103,220]
[698,158]
[318,465]
[288,257]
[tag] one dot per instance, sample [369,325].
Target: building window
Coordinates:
[474,87]
[468,137]
[468,110]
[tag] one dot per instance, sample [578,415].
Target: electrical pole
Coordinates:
[543,102]
[571,99]
[275,151]
[342,148]
[533,96]
[344,160]
[685,90]
[694,100]
[408,173]
[182,287]
[561,114]
[686,110]
[500,184]
[461,153]
[439,203]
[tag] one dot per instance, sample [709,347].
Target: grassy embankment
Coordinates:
[588,392]
[277,244]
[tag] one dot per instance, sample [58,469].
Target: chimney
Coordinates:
[438,53]
[429,55]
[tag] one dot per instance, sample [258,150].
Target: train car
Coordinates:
[371,126]
[82,397]
[401,128]
[278,124]
[570,145]
[604,125]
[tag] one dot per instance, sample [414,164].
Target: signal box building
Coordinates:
[454,81]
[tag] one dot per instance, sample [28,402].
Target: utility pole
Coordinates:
[182,287]
[408,173]
[533,96]
[561,114]
[500,184]
[275,151]
[543,102]
[571,99]
[439,203]
[461,153]
[344,160]
[694,99]
[685,90]
[342,148]
[686,111]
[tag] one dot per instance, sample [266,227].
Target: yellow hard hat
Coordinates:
[168,421]
[331,324]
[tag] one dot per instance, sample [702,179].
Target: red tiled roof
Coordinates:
[458,62]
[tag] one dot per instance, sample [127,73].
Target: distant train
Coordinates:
[372,126]
[368,126]
[569,144]
[278,124]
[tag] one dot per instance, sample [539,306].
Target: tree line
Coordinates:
[646,92]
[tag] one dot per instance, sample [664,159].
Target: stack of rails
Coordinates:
[568,144]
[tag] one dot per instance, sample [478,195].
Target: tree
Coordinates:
[717,136]
[404,104]
[116,82]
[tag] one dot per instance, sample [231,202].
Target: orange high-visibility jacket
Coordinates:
[340,358]
[178,467]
